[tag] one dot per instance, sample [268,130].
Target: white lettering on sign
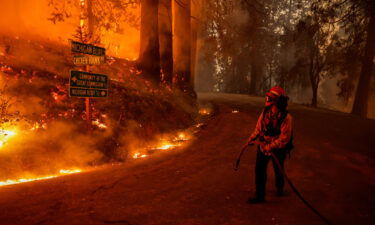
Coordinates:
[86,77]
[79,92]
[91,60]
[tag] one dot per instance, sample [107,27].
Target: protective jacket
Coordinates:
[275,130]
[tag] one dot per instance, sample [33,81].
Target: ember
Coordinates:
[99,124]
[204,111]
[139,155]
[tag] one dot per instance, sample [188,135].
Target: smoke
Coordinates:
[239,17]
[28,19]
[35,140]
[46,129]
[46,151]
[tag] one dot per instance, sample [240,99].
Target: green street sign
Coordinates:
[88,80]
[79,47]
[88,93]
[84,84]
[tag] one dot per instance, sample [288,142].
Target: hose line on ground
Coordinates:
[299,195]
[328,222]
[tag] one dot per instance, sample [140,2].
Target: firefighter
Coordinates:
[274,131]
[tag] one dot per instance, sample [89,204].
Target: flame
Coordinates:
[182,137]
[167,146]
[235,111]
[62,172]
[38,126]
[164,144]
[11,132]
[5,135]
[204,111]
[139,155]
[99,124]
[199,125]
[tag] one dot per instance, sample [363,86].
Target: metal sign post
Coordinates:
[88,112]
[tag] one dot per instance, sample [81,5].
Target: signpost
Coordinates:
[88,60]
[85,84]
[79,47]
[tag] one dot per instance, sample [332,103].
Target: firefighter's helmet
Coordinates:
[277,95]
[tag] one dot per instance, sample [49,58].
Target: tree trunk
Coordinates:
[314,74]
[182,44]
[255,55]
[314,100]
[149,58]
[195,23]
[90,21]
[363,88]
[166,43]
[255,70]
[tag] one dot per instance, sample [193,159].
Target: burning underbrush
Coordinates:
[43,132]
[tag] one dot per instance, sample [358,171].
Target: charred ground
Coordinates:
[332,165]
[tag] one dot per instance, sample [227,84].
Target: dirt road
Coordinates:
[333,165]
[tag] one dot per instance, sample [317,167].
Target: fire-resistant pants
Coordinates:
[261,171]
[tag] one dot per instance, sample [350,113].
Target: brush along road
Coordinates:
[332,165]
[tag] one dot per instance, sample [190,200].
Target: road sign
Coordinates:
[88,80]
[84,84]
[88,60]
[88,93]
[79,47]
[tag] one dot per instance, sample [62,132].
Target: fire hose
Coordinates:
[295,190]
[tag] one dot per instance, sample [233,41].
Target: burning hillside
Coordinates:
[43,131]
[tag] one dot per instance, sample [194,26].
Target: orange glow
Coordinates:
[165,144]
[139,155]
[204,111]
[21,22]
[5,135]
[99,124]
[62,172]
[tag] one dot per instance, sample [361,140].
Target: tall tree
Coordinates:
[91,19]
[182,44]
[166,39]
[356,20]
[149,55]
[256,10]
[363,89]
[196,5]
[314,47]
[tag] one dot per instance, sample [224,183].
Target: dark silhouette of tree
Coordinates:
[356,19]
[149,56]
[182,45]
[363,89]
[166,39]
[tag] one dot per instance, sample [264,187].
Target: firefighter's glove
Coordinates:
[266,149]
[250,141]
